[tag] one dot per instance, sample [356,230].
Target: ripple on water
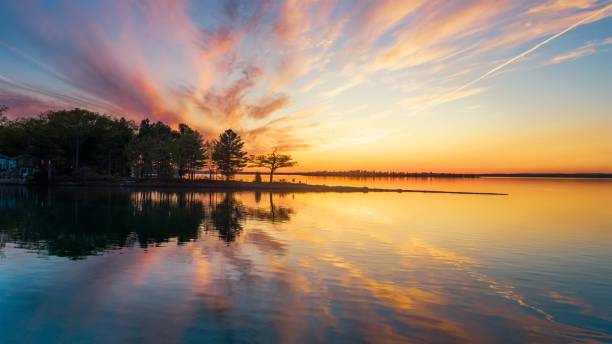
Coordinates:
[312,267]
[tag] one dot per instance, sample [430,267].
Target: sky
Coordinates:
[406,85]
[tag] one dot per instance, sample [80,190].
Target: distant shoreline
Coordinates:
[217,185]
[445,175]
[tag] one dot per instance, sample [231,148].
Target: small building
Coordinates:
[20,166]
[7,164]
[26,165]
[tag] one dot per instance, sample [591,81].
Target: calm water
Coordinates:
[97,265]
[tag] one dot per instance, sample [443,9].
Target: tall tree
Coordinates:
[228,154]
[272,162]
[112,138]
[151,151]
[209,163]
[189,151]
[76,127]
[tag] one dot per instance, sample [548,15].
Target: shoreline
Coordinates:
[593,175]
[206,185]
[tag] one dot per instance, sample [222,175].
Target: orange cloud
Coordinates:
[561,5]
[432,37]
[267,106]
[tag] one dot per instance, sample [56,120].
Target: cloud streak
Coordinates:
[536,47]
[512,60]
[585,50]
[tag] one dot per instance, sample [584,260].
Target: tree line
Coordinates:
[82,143]
[385,174]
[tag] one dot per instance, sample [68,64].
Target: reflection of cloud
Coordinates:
[416,306]
[266,242]
[414,291]
[564,299]
[468,265]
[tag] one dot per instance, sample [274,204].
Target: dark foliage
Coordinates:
[228,154]
[86,145]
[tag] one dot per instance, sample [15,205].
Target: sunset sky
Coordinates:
[458,86]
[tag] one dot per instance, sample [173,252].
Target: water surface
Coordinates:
[113,265]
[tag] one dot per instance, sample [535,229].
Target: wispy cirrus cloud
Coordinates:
[435,33]
[28,104]
[418,103]
[585,50]
[561,5]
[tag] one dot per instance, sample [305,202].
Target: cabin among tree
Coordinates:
[21,166]
[7,164]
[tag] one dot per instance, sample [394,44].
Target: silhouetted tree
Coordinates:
[82,143]
[151,150]
[112,138]
[3,109]
[189,151]
[77,127]
[272,162]
[69,140]
[228,154]
[209,163]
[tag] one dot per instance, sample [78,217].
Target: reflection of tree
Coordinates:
[78,223]
[227,217]
[273,214]
[3,240]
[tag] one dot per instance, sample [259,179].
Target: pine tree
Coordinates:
[228,154]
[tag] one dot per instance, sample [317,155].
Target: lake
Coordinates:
[118,265]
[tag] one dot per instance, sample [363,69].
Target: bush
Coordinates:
[90,174]
[257,178]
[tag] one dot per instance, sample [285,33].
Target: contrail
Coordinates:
[535,47]
[523,54]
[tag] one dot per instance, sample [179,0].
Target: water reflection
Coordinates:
[73,224]
[273,213]
[227,217]
[246,267]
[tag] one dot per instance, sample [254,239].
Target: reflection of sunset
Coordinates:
[424,267]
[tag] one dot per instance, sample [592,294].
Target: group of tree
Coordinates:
[156,150]
[83,143]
